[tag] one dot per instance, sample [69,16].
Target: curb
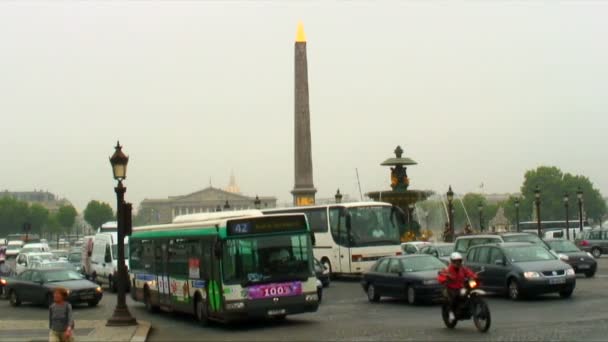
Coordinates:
[141,333]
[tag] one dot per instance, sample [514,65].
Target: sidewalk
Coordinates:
[85,331]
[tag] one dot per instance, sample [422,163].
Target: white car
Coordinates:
[29,260]
[13,248]
[35,248]
[104,259]
[413,247]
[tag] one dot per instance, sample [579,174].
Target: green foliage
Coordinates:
[38,218]
[66,216]
[553,183]
[97,213]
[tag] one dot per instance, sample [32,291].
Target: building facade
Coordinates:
[46,199]
[210,199]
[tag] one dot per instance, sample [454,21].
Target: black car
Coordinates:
[37,286]
[520,269]
[322,273]
[413,277]
[581,262]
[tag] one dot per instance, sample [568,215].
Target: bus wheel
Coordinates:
[325,262]
[200,309]
[148,301]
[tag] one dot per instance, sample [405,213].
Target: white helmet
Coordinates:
[455,256]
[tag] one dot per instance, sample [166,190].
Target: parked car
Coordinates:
[413,277]
[519,269]
[463,243]
[27,260]
[322,273]
[37,286]
[34,248]
[413,247]
[439,250]
[594,241]
[13,247]
[581,262]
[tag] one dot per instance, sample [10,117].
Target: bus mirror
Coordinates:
[217,249]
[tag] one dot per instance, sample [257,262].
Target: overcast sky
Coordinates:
[478,91]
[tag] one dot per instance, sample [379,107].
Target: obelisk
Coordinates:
[304,190]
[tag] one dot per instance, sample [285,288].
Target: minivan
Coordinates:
[104,263]
[463,243]
[594,241]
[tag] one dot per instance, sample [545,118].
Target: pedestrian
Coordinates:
[61,322]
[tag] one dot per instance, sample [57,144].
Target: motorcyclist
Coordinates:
[453,278]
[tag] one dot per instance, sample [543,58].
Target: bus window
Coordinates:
[177,260]
[317,220]
[136,254]
[338,228]
[147,254]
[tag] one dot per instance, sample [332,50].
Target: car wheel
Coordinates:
[590,274]
[567,293]
[596,252]
[14,298]
[411,295]
[513,289]
[372,294]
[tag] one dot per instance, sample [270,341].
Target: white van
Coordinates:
[104,264]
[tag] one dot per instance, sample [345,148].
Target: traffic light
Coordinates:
[127,214]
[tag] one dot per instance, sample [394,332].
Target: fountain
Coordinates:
[401,196]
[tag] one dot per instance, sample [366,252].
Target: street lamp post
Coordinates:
[567,216]
[579,195]
[121,315]
[517,213]
[450,196]
[338,197]
[410,214]
[537,202]
[480,208]
[257,203]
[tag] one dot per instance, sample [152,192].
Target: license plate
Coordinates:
[276,312]
[557,281]
[584,267]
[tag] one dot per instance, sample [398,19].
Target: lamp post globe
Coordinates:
[119,162]
[338,197]
[450,194]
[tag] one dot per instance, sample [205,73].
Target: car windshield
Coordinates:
[563,246]
[445,250]
[528,253]
[267,259]
[43,257]
[523,238]
[61,275]
[74,257]
[421,263]
[374,226]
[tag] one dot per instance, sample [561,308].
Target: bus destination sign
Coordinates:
[266,224]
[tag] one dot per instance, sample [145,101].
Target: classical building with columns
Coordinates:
[210,199]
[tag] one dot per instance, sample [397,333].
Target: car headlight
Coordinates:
[563,257]
[570,272]
[312,298]
[235,306]
[590,255]
[430,282]
[529,275]
[98,289]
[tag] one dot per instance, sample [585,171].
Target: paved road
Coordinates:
[346,315]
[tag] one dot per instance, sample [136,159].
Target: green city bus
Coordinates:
[224,267]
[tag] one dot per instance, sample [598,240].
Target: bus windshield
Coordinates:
[374,226]
[265,259]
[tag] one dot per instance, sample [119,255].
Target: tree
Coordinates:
[38,217]
[97,213]
[66,216]
[13,214]
[553,183]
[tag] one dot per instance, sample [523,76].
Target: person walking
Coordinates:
[61,322]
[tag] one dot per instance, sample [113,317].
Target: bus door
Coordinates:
[164,294]
[214,281]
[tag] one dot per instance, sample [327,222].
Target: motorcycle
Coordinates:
[470,305]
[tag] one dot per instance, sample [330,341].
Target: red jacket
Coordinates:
[454,278]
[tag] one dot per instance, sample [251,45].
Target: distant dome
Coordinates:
[232,186]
